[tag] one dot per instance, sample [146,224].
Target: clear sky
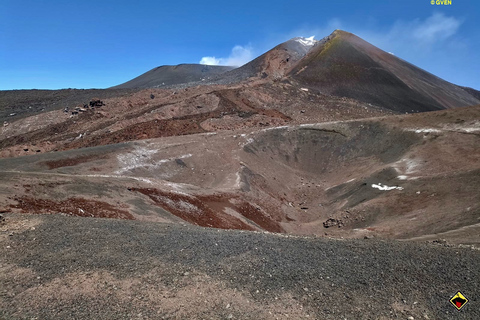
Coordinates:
[52,44]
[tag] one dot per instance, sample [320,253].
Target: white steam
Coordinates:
[238,57]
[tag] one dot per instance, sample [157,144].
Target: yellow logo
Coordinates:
[459,300]
[441,2]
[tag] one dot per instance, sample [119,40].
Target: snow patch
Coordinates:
[385,188]
[307,42]
[238,180]
[470,129]
[118,177]
[407,166]
[402,177]
[427,130]
[274,128]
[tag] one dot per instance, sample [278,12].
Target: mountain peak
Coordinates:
[307,42]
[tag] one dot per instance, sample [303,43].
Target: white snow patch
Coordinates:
[238,180]
[402,177]
[118,177]
[425,130]
[392,53]
[411,166]
[449,127]
[466,129]
[385,188]
[274,128]
[304,89]
[406,166]
[307,42]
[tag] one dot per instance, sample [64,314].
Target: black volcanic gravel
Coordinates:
[332,279]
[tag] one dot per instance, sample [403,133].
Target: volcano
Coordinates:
[279,189]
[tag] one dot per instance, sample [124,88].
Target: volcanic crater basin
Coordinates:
[380,177]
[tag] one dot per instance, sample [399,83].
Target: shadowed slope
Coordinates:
[171,75]
[346,65]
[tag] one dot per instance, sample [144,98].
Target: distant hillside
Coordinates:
[171,75]
[472,92]
[340,64]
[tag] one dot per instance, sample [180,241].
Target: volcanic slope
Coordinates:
[173,75]
[153,113]
[272,65]
[345,65]
[402,177]
[340,64]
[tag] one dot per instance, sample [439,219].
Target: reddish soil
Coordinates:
[194,209]
[145,130]
[172,113]
[71,207]
[254,214]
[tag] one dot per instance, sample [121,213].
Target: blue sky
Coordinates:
[48,44]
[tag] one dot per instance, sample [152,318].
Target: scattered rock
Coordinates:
[333,222]
[180,162]
[96,103]
[2,219]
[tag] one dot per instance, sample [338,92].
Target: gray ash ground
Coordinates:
[55,267]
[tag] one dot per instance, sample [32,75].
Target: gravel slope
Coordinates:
[54,267]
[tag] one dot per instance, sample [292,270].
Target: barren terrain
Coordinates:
[309,183]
